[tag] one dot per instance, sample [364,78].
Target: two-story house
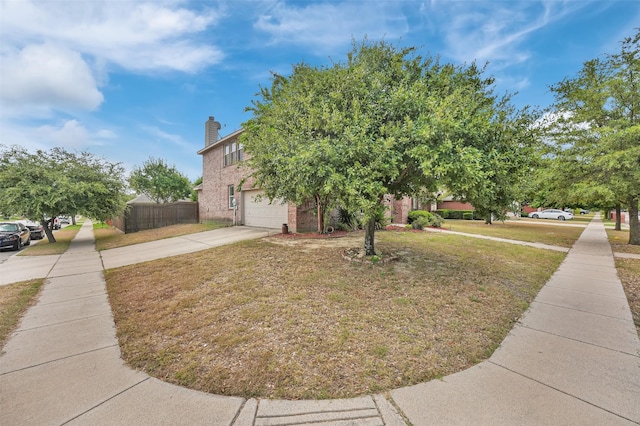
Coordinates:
[218,195]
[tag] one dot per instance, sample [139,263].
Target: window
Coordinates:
[232,197]
[232,153]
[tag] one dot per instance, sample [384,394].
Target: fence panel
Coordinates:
[140,217]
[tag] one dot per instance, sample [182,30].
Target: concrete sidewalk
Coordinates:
[572,359]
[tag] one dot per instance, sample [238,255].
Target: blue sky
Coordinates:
[126,80]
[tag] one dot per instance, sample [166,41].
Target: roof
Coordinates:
[141,199]
[221,141]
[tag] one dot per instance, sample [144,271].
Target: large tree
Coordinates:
[385,122]
[597,130]
[160,181]
[44,184]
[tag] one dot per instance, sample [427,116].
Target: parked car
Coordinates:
[583,211]
[64,220]
[14,235]
[551,214]
[37,230]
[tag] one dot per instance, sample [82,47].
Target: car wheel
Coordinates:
[561,217]
[28,242]
[535,216]
[18,245]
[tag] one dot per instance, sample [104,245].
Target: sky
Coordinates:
[129,80]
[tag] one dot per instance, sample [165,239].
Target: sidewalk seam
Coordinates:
[58,359]
[562,392]
[61,322]
[105,401]
[580,341]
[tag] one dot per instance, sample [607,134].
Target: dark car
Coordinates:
[37,230]
[14,235]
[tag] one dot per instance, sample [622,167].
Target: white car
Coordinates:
[551,214]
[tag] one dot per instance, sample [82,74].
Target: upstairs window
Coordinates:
[232,153]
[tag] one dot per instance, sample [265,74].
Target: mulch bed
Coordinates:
[310,235]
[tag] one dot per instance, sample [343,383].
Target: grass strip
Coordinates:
[556,235]
[15,299]
[108,237]
[44,247]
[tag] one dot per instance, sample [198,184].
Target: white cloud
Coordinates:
[161,135]
[69,134]
[325,26]
[47,76]
[492,31]
[134,35]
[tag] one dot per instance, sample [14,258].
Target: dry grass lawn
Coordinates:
[108,237]
[44,247]
[556,235]
[283,318]
[619,241]
[15,299]
[629,274]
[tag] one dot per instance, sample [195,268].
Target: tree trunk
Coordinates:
[618,217]
[370,229]
[487,220]
[48,230]
[634,227]
[320,223]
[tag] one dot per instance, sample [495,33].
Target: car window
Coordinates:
[8,227]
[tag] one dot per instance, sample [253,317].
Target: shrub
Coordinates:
[347,221]
[452,214]
[420,223]
[436,221]
[421,218]
[415,214]
[467,216]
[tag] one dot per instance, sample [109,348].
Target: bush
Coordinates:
[415,214]
[467,216]
[420,223]
[453,214]
[420,218]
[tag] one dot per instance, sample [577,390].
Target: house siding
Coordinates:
[213,196]
[216,178]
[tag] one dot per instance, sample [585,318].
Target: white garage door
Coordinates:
[261,213]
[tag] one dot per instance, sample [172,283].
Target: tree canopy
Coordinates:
[597,133]
[160,181]
[46,184]
[385,122]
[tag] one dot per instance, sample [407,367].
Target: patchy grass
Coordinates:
[108,237]
[629,274]
[289,318]
[556,235]
[44,247]
[619,241]
[15,299]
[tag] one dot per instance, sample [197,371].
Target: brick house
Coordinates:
[218,195]
[221,175]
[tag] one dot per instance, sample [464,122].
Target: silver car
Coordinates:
[551,214]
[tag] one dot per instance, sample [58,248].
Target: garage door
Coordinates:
[261,213]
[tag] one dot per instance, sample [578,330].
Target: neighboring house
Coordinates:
[218,195]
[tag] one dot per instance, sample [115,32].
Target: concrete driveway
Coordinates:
[22,268]
[129,255]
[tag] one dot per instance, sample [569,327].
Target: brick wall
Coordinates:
[214,197]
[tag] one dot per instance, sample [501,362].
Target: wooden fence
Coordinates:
[139,217]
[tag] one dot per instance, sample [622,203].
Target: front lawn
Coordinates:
[108,237]
[290,318]
[552,234]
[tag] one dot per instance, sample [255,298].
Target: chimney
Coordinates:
[211,128]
